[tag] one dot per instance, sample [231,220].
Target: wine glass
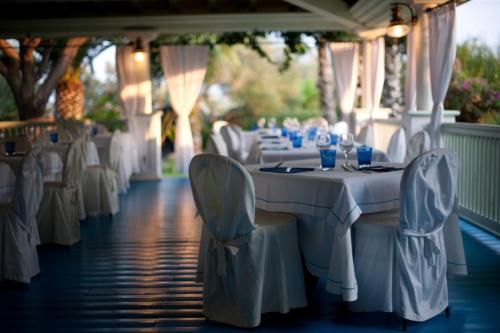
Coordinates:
[346,142]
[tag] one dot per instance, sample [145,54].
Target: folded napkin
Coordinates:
[269,142]
[381,168]
[286,170]
[274,148]
[269,137]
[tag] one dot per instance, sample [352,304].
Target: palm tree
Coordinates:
[70,94]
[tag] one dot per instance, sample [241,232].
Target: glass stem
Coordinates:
[346,156]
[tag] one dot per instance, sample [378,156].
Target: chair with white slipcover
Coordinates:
[100,186]
[235,146]
[249,261]
[366,136]
[59,213]
[216,145]
[419,143]
[396,149]
[65,136]
[217,125]
[18,227]
[340,127]
[318,122]
[399,256]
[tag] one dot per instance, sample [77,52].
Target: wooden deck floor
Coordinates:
[135,273]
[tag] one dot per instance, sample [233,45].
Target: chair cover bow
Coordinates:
[220,247]
[431,245]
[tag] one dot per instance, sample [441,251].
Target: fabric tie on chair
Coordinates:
[431,246]
[220,247]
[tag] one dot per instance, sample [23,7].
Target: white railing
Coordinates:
[478,148]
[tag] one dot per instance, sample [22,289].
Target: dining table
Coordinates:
[328,203]
[269,148]
[53,165]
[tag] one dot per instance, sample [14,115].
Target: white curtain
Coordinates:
[134,84]
[442,50]
[345,70]
[372,79]
[184,68]
[411,70]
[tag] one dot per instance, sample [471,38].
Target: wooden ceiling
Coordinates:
[118,17]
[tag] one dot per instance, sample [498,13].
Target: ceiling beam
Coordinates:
[334,10]
[117,26]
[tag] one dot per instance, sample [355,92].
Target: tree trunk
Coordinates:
[23,72]
[325,82]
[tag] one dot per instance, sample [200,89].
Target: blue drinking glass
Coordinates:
[334,138]
[284,132]
[54,137]
[10,147]
[292,134]
[328,158]
[364,156]
[311,133]
[94,130]
[297,141]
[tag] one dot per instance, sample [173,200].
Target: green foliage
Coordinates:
[475,85]
[8,108]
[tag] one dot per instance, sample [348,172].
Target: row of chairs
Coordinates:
[49,212]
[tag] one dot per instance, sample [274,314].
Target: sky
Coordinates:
[475,19]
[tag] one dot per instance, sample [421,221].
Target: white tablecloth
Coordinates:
[327,203]
[53,164]
[270,151]
[91,154]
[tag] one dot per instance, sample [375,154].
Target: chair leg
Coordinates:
[405,324]
[447,311]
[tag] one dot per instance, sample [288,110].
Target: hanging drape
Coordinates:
[411,70]
[372,79]
[442,50]
[184,68]
[345,70]
[134,85]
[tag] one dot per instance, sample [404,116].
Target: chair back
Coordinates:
[340,127]
[428,190]
[65,136]
[232,140]
[318,122]
[418,144]
[397,146]
[75,163]
[114,150]
[216,145]
[217,125]
[28,190]
[366,135]
[224,195]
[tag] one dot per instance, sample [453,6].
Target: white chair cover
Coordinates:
[404,269]
[18,228]
[419,143]
[216,145]
[65,136]
[233,143]
[318,122]
[217,125]
[396,150]
[248,268]
[340,127]
[366,135]
[59,213]
[100,188]
[7,182]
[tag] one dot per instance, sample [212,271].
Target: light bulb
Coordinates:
[139,56]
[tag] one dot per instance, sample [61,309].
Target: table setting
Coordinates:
[328,194]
